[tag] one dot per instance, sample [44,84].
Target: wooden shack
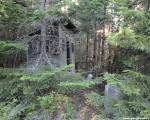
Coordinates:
[55,46]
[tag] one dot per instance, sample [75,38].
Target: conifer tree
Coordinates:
[132,49]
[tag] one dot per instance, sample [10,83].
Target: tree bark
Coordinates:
[44,58]
[110,55]
[148,5]
[87,52]
[103,42]
[94,47]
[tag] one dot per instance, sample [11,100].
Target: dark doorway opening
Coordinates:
[68,53]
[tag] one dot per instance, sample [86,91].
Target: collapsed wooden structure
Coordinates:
[54,45]
[50,41]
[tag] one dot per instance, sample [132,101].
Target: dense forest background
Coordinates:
[113,44]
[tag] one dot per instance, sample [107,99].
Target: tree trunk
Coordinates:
[148,5]
[110,55]
[94,47]
[100,51]
[103,42]
[113,16]
[44,58]
[87,52]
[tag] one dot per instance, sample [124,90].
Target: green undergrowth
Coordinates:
[27,94]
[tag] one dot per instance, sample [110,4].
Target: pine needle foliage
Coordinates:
[133,42]
[43,90]
[94,99]
[126,38]
[136,89]
[7,47]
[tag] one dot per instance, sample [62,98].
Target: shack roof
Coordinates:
[65,22]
